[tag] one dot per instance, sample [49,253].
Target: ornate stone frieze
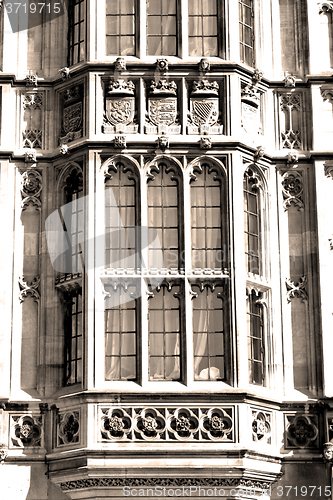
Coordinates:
[72,115]
[167,424]
[64,73]
[119,482]
[26,431]
[26,289]
[204,65]
[120,64]
[119,107]
[31,188]
[296,290]
[68,428]
[325,7]
[292,189]
[162,65]
[290,106]
[205,142]
[301,431]
[261,426]
[162,115]
[204,108]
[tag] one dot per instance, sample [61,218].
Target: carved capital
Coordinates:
[29,289]
[325,7]
[296,290]
[292,188]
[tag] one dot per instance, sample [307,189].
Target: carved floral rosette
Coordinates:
[68,428]
[26,431]
[167,424]
[119,109]
[204,108]
[72,116]
[162,115]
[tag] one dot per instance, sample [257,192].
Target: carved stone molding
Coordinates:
[64,73]
[209,482]
[162,65]
[296,290]
[301,431]
[26,431]
[325,7]
[68,429]
[31,189]
[204,65]
[26,289]
[328,167]
[292,189]
[167,424]
[120,64]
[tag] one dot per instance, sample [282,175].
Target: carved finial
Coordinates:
[162,65]
[292,157]
[289,80]
[119,142]
[64,73]
[296,290]
[204,65]
[120,64]
[205,142]
[163,142]
[257,76]
[64,150]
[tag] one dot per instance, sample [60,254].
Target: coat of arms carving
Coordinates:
[250,109]
[119,110]
[204,108]
[72,116]
[162,116]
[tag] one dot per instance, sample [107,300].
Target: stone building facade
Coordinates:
[166,260]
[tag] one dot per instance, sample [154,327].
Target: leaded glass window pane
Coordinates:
[76,32]
[246,31]
[162,27]
[203,28]
[255,335]
[120,27]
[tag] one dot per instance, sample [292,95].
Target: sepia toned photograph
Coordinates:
[166,197]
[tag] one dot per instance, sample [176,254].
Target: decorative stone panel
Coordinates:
[301,431]
[296,290]
[162,108]
[72,114]
[25,431]
[290,120]
[204,108]
[167,424]
[261,426]
[292,189]
[31,188]
[68,428]
[119,109]
[250,99]
[32,135]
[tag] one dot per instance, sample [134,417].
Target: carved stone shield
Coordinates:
[250,118]
[204,111]
[72,118]
[162,111]
[120,110]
